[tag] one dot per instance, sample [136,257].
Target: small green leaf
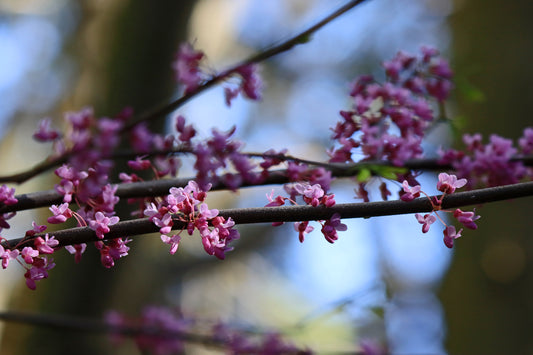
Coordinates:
[388,172]
[364,175]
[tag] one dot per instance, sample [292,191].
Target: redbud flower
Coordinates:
[448,183]
[187,68]
[409,193]
[426,221]
[331,226]
[278,201]
[466,218]
[450,235]
[303,228]
[100,224]
[46,245]
[61,213]
[28,253]
[45,132]
[7,195]
[165,223]
[38,271]
[526,142]
[185,132]
[77,250]
[139,164]
[6,255]
[172,241]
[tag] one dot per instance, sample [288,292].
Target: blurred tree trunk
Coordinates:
[127,49]
[488,293]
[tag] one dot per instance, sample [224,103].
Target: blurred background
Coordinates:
[383,281]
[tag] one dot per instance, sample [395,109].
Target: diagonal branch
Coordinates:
[168,108]
[300,38]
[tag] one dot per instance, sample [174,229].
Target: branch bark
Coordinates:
[296,213]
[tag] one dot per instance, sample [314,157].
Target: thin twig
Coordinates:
[168,108]
[300,38]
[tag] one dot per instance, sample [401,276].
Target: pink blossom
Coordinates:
[426,221]
[6,255]
[448,183]
[61,213]
[206,212]
[28,253]
[45,132]
[311,194]
[250,86]
[7,195]
[278,201]
[100,224]
[173,241]
[450,235]
[139,164]
[526,141]
[303,228]
[187,67]
[77,250]
[38,271]
[466,218]
[186,132]
[331,226]
[80,120]
[328,200]
[46,245]
[165,223]
[118,247]
[409,193]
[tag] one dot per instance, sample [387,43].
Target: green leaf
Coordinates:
[364,175]
[388,172]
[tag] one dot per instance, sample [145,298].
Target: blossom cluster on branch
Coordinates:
[378,139]
[374,140]
[386,125]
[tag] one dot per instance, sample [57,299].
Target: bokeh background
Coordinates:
[383,281]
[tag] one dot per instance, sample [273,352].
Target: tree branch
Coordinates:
[296,213]
[300,38]
[161,187]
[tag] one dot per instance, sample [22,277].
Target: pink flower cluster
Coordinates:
[33,259]
[388,120]
[313,195]
[7,197]
[165,331]
[398,104]
[187,205]
[447,184]
[189,73]
[491,164]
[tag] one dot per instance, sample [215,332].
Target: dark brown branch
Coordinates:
[45,165]
[299,213]
[161,187]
